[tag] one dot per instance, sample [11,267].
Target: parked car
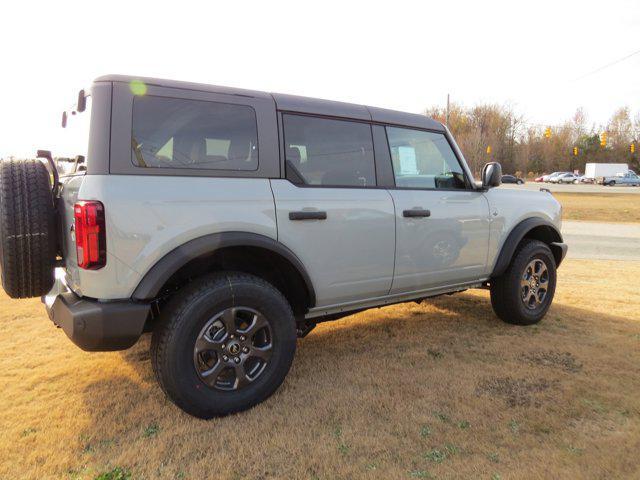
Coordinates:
[584,179]
[512,179]
[546,178]
[630,178]
[555,178]
[566,178]
[550,177]
[228,222]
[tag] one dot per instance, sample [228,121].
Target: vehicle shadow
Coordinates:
[462,323]
[402,366]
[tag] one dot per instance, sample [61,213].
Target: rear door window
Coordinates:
[193,134]
[327,152]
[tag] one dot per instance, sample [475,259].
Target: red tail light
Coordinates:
[91,239]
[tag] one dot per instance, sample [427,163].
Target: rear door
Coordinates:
[442,233]
[329,210]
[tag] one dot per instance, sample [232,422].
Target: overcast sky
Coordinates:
[395,54]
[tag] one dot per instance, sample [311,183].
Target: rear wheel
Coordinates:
[223,344]
[523,293]
[28,241]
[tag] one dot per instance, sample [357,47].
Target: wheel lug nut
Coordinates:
[236,359]
[231,336]
[223,346]
[225,358]
[245,349]
[242,339]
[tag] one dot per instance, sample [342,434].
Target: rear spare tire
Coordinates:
[27,229]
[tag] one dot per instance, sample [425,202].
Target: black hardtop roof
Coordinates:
[293,103]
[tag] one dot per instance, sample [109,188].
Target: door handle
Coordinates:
[416,213]
[308,215]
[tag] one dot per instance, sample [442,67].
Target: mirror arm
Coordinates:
[46,154]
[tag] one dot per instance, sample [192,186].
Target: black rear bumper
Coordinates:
[99,326]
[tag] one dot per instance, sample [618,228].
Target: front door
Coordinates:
[329,211]
[442,223]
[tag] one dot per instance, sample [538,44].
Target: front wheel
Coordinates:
[224,344]
[611,183]
[523,293]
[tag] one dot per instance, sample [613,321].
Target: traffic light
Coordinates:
[488,149]
[547,132]
[575,151]
[603,139]
[633,148]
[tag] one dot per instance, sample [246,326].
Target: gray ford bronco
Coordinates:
[229,222]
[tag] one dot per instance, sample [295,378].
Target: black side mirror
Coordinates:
[82,101]
[491,175]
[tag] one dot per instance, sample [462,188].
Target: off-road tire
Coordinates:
[506,296]
[28,240]
[174,337]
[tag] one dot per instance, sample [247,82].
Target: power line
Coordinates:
[615,62]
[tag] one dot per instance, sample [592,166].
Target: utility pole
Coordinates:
[447,120]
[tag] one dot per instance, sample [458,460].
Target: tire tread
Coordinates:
[27,229]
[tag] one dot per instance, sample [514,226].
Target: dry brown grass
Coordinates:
[442,389]
[600,207]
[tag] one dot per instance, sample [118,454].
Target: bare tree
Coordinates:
[490,132]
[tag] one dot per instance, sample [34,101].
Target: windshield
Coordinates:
[74,138]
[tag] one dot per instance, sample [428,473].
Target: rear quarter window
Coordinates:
[193,134]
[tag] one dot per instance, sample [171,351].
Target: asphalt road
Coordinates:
[575,188]
[601,240]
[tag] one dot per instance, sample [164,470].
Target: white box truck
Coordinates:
[597,170]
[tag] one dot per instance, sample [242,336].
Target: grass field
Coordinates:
[437,390]
[600,207]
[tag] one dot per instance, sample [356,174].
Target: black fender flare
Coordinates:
[150,285]
[544,231]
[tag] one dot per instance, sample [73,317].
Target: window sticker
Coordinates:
[408,164]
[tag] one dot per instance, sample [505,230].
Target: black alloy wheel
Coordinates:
[233,348]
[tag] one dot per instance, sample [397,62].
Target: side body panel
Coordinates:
[151,211]
[509,207]
[148,216]
[448,247]
[349,255]
[68,196]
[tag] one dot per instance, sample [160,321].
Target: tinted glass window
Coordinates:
[192,134]
[320,151]
[423,160]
